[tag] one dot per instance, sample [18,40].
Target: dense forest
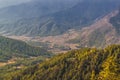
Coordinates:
[82,64]
[10,48]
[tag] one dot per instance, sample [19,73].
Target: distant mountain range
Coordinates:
[35,8]
[45,19]
[100,33]
[95,22]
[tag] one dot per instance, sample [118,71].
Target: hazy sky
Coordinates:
[5,3]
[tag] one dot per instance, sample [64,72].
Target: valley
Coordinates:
[102,30]
[60,40]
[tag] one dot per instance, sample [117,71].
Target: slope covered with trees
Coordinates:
[10,48]
[83,64]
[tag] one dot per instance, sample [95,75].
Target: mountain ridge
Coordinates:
[99,34]
[61,21]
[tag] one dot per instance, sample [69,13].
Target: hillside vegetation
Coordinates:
[10,48]
[82,64]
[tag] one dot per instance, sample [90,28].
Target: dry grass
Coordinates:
[12,61]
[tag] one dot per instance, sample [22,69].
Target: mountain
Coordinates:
[101,33]
[47,19]
[82,64]
[10,48]
[34,8]
[115,21]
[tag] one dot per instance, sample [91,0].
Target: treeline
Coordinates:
[83,64]
[13,48]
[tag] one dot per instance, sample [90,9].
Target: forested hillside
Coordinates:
[82,64]
[10,48]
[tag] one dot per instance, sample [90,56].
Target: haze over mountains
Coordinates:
[44,27]
[73,25]
[6,3]
[35,8]
[101,33]
[44,18]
